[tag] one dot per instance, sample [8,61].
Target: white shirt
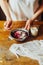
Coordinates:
[22,9]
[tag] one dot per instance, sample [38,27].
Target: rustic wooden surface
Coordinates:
[4,40]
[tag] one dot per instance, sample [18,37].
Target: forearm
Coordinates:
[5,7]
[37,14]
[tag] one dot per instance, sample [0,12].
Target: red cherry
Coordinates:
[17,34]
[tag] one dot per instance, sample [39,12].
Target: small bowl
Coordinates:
[34,30]
[19,29]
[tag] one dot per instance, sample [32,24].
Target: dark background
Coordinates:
[2,16]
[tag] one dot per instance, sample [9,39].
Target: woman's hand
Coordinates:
[8,25]
[27,26]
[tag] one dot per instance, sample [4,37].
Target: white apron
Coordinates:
[22,9]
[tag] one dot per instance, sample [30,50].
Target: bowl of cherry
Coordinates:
[20,34]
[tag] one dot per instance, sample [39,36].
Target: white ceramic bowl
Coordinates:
[34,31]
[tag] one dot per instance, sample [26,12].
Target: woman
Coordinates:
[19,10]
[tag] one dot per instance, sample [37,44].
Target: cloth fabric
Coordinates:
[22,9]
[32,49]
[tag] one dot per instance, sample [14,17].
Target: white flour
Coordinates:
[32,49]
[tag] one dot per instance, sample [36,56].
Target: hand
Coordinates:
[8,25]
[27,26]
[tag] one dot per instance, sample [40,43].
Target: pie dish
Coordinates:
[19,34]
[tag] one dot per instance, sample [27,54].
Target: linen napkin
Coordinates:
[32,49]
